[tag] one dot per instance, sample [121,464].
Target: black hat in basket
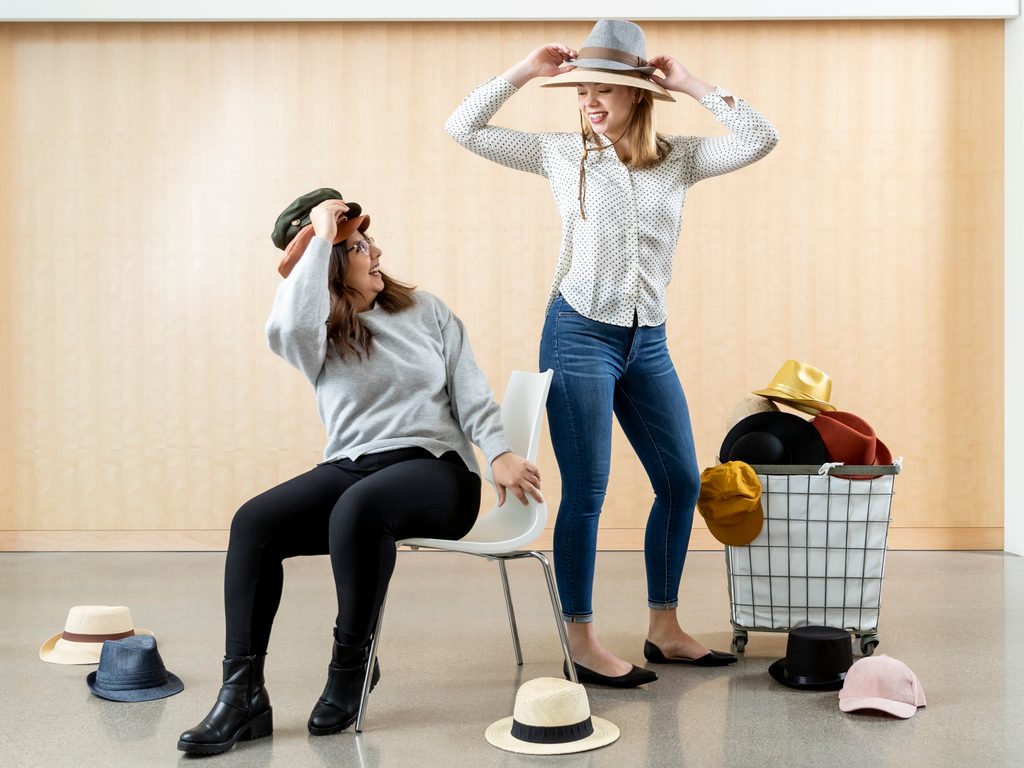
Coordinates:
[774,437]
[817,659]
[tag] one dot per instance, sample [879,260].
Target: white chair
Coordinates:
[502,533]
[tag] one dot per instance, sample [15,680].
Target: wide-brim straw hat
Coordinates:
[615,53]
[551,717]
[85,630]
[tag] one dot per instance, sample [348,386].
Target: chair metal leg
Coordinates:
[368,677]
[511,611]
[556,606]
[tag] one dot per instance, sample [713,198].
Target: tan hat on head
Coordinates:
[801,386]
[551,717]
[86,629]
[730,502]
[615,52]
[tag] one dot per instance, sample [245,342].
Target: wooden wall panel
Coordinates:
[143,165]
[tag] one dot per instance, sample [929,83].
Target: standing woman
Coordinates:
[398,392]
[619,187]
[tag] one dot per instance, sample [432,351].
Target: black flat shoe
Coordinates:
[710,659]
[636,676]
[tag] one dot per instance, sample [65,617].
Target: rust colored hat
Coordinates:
[801,386]
[851,440]
[730,502]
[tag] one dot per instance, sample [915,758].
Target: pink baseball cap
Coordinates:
[883,683]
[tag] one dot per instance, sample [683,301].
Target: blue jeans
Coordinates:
[600,369]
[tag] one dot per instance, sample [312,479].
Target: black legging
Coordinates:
[353,510]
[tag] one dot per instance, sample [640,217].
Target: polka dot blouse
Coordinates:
[618,260]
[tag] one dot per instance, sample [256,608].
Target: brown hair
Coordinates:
[344,328]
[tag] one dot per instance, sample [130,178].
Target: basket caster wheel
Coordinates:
[868,645]
[739,643]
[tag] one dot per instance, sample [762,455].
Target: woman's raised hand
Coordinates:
[324,218]
[513,473]
[546,61]
[676,74]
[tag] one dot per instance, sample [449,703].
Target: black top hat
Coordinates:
[817,659]
[131,670]
[774,437]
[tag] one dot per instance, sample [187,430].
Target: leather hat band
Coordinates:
[613,54]
[74,637]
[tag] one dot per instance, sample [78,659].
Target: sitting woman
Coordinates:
[398,392]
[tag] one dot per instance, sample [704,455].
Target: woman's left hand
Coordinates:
[676,74]
[513,473]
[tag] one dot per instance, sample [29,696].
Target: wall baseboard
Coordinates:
[609,539]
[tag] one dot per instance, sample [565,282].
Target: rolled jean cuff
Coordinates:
[663,606]
[585,618]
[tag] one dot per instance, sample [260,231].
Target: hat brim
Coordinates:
[577,76]
[806,404]
[171,687]
[895,708]
[797,434]
[500,735]
[883,458]
[739,533]
[59,651]
[300,242]
[778,671]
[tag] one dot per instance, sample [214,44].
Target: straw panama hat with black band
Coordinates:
[85,630]
[551,717]
[615,53]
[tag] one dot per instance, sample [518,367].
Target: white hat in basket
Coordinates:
[551,717]
[86,629]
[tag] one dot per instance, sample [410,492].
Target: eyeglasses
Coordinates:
[363,246]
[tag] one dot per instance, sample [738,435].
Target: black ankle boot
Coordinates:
[338,706]
[242,711]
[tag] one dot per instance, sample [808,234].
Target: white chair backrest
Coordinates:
[522,410]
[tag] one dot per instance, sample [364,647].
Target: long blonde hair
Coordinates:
[644,146]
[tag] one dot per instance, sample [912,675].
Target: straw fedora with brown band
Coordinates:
[85,630]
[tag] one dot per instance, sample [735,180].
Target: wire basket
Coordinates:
[820,557]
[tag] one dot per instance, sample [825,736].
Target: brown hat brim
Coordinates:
[577,76]
[300,242]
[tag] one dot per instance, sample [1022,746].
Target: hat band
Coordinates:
[130,681]
[552,734]
[74,637]
[613,54]
[795,393]
[805,680]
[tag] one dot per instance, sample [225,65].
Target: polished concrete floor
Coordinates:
[957,618]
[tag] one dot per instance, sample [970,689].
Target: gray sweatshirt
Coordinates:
[420,386]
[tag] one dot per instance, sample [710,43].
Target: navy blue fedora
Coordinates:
[131,670]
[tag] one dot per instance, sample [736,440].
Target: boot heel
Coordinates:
[260,727]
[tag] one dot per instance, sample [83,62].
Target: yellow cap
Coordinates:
[730,502]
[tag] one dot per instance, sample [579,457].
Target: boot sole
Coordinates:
[259,727]
[346,723]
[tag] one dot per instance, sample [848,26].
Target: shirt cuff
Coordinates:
[708,99]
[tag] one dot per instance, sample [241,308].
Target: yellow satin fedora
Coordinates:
[801,386]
